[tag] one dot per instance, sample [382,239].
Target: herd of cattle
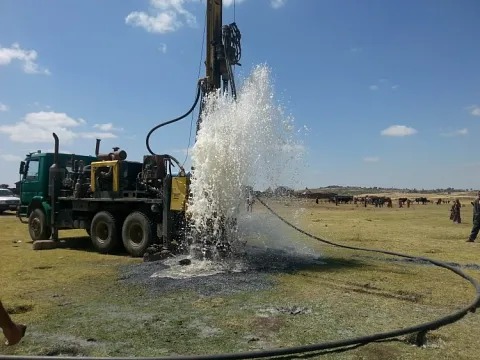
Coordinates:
[379,201]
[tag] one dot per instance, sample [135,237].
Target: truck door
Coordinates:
[31,185]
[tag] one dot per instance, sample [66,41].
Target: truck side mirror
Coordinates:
[22,168]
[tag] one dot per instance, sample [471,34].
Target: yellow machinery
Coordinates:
[112,173]
[178,200]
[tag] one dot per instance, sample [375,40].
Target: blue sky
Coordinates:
[390,90]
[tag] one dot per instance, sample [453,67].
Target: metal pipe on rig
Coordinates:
[97,147]
[56,175]
[116,154]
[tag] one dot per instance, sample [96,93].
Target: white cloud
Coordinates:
[97,135]
[107,127]
[373,87]
[3,107]
[355,49]
[11,158]
[25,133]
[382,80]
[163,48]
[52,119]
[27,57]
[164,16]
[474,110]
[371,159]
[38,127]
[394,87]
[276,4]
[460,132]
[398,130]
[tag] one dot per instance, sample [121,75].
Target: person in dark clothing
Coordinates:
[476,219]
[456,212]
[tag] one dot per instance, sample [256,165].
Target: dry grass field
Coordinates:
[75,303]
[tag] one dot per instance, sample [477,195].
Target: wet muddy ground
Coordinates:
[249,273]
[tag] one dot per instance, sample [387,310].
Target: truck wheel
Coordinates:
[37,226]
[137,233]
[103,232]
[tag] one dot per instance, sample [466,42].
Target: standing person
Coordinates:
[476,219]
[13,332]
[456,212]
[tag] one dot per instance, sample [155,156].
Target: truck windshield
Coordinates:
[6,192]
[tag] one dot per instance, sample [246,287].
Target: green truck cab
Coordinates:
[35,203]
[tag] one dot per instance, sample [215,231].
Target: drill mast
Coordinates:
[223,52]
[215,67]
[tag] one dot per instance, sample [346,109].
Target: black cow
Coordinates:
[341,199]
[422,200]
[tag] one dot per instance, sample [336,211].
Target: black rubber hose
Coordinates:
[147,140]
[420,329]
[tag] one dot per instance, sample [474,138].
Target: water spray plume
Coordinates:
[244,143]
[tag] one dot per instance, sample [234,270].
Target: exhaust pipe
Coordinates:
[57,146]
[56,174]
[97,147]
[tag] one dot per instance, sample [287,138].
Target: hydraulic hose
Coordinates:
[420,329]
[197,97]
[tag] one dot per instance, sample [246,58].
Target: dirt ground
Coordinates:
[290,290]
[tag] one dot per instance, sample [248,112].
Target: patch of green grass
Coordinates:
[74,305]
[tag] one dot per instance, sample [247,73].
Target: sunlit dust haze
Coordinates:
[247,142]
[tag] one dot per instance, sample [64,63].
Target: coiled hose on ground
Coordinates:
[420,329]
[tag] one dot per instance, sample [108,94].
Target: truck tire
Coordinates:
[137,233]
[104,232]
[37,226]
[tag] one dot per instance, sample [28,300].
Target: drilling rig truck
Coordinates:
[119,201]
